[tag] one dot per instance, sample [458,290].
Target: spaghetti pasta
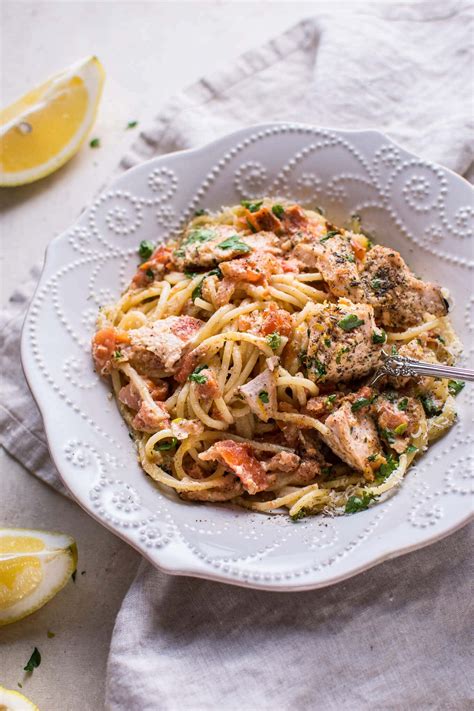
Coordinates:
[239,357]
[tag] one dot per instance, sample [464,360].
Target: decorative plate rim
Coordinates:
[189,566]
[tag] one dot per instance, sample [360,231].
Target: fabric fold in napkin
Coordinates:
[384,639]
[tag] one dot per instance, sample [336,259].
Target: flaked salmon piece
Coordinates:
[353,437]
[223,289]
[159,348]
[254,269]
[182,428]
[149,417]
[341,342]
[296,221]
[107,345]
[399,298]
[398,417]
[240,459]
[209,389]
[212,245]
[263,220]
[333,256]
[231,488]
[269,320]
[282,462]
[307,471]
[260,394]
[322,405]
[130,397]
[154,267]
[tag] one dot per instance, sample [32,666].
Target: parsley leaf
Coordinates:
[278,210]
[379,337]
[197,291]
[410,449]
[328,235]
[236,244]
[387,435]
[164,445]
[200,212]
[359,503]
[302,513]
[263,396]
[403,404]
[34,661]
[145,250]
[196,376]
[360,403]
[386,469]
[430,407]
[349,322]
[117,354]
[274,341]
[319,210]
[455,386]
[132,124]
[95,143]
[252,206]
[150,274]
[200,234]
[330,400]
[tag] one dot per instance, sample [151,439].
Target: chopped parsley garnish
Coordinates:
[95,143]
[278,210]
[328,235]
[360,403]
[200,212]
[440,339]
[330,400]
[197,291]
[302,513]
[236,244]
[34,661]
[350,322]
[373,457]
[327,342]
[117,354]
[400,429]
[263,396]
[164,445]
[179,253]
[403,404]
[274,341]
[430,407]
[150,274]
[387,435]
[386,469]
[190,274]
[132,124]
[455,386]
[319,210]
[145,250]
[200,234]
[376,284]
[250,226]
[252,206]
[379,337]
[410,449]
[350,258]
[359,503]
[196,376]
[394,350]
[319,367]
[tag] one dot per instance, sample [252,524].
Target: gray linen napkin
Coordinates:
[386,639]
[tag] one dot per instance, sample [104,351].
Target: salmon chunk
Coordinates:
[353,437]
[107,348]
[260,394]
[399,298]
[341,342]
[240,459]
[158,348]
[254,269]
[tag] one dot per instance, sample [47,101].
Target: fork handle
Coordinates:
[396,366]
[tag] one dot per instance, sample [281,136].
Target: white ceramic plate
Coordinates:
[422,210]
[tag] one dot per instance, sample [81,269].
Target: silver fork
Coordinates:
[397,365]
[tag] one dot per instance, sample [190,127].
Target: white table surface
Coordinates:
[149,51]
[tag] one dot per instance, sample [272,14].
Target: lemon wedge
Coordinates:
[45,128]
[14,701]
[34,566]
